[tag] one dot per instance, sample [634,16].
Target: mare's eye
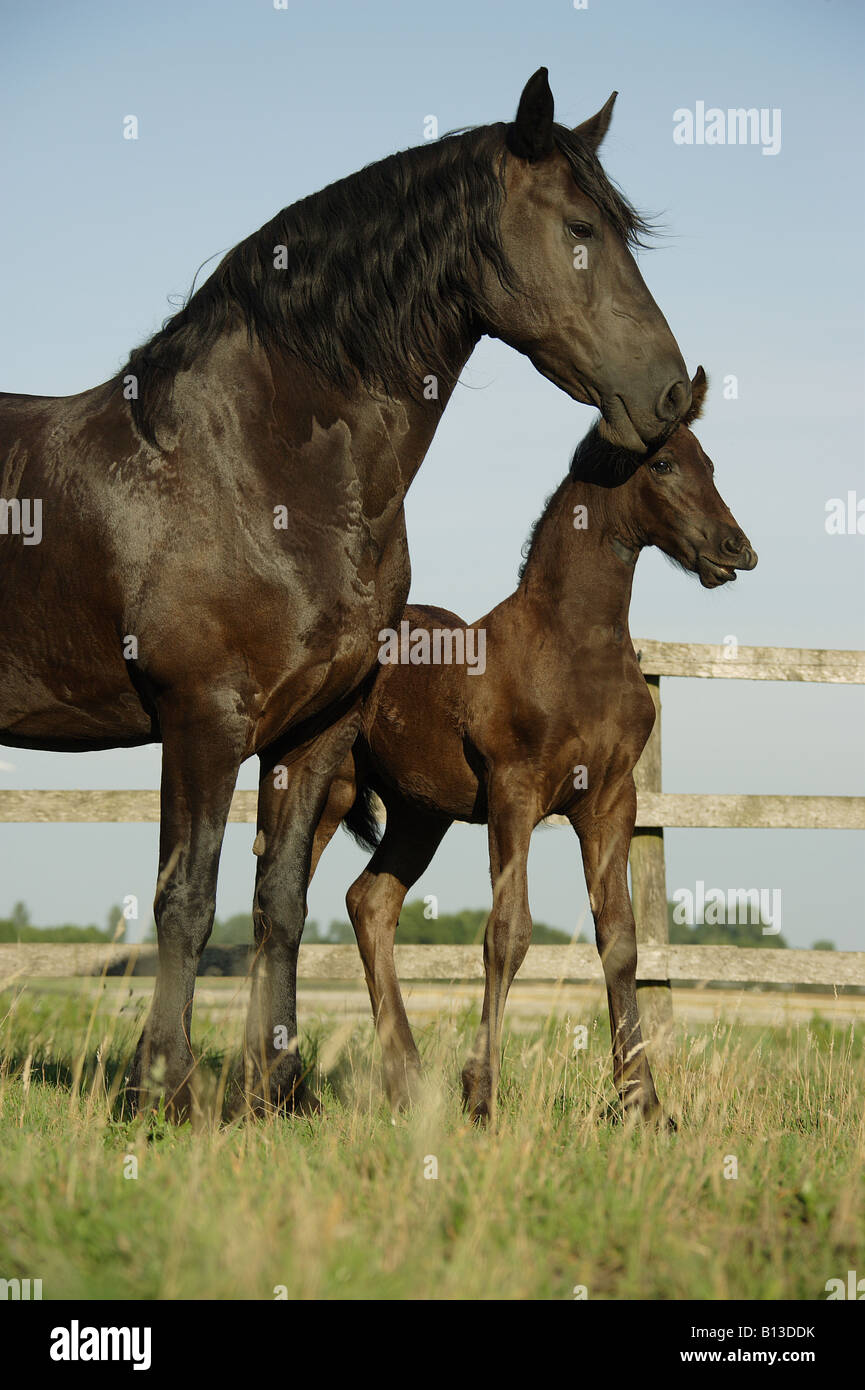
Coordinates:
[661,466]
[580,230]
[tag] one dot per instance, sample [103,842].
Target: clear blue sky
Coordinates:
[242,109]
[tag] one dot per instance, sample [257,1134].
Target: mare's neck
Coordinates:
[387,436]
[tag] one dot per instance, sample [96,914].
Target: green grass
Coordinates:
[337,1206]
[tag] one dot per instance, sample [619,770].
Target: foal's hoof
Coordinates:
[658,1119]
[477,1094]
[403,1088]
[479,1114]
[650,1116]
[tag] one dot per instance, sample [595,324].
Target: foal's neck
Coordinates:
[580,570]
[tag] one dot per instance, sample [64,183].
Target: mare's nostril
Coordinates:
[674,401]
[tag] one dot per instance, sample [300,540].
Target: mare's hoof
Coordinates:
[149,1093]
[299,1101]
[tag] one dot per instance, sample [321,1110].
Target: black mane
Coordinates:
[382,271]
[633,227]
[596,461]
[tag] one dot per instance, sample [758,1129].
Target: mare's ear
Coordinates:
[592,131]
[699,387]
[530,136]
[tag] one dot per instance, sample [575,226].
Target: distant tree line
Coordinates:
[18,927]
[465,928]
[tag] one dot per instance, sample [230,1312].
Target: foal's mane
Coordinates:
[594,460]
[383,273]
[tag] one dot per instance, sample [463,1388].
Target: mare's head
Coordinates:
[387,278]
[668,498]
[581,312]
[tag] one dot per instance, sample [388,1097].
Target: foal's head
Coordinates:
[676,506]
[669,499]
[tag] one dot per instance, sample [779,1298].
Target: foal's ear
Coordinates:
[530,136]
[592,131]
[699,387]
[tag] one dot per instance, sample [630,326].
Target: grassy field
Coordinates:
[561,1197]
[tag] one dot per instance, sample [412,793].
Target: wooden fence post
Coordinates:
[649,888]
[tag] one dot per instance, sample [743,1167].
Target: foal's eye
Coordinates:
[661,466]
[579,230]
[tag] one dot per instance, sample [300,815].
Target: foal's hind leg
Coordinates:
[374,901]
[202,748]
[340,799]
[507,937]
[605,829]
[290,805]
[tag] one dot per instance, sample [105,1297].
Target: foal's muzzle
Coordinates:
[734,553]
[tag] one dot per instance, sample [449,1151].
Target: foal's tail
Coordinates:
[362,823]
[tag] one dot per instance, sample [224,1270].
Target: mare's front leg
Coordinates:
[292,795]
[203,744]
[508,933]
[605,825]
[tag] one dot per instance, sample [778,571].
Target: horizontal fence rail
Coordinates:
[751,663]
[670,809]
[740,964]
[660,963]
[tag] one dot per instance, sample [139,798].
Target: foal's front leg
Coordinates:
[507,937]
[374,901]
[605,827]
[291,798]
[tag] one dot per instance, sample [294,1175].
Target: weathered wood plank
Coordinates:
[754,965]
[732,811]
[732,963]
[751,663]
[654,809]
[65,807]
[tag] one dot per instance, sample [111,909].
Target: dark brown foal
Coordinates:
[554,724]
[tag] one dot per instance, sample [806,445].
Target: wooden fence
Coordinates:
[660,964]
[658,810]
